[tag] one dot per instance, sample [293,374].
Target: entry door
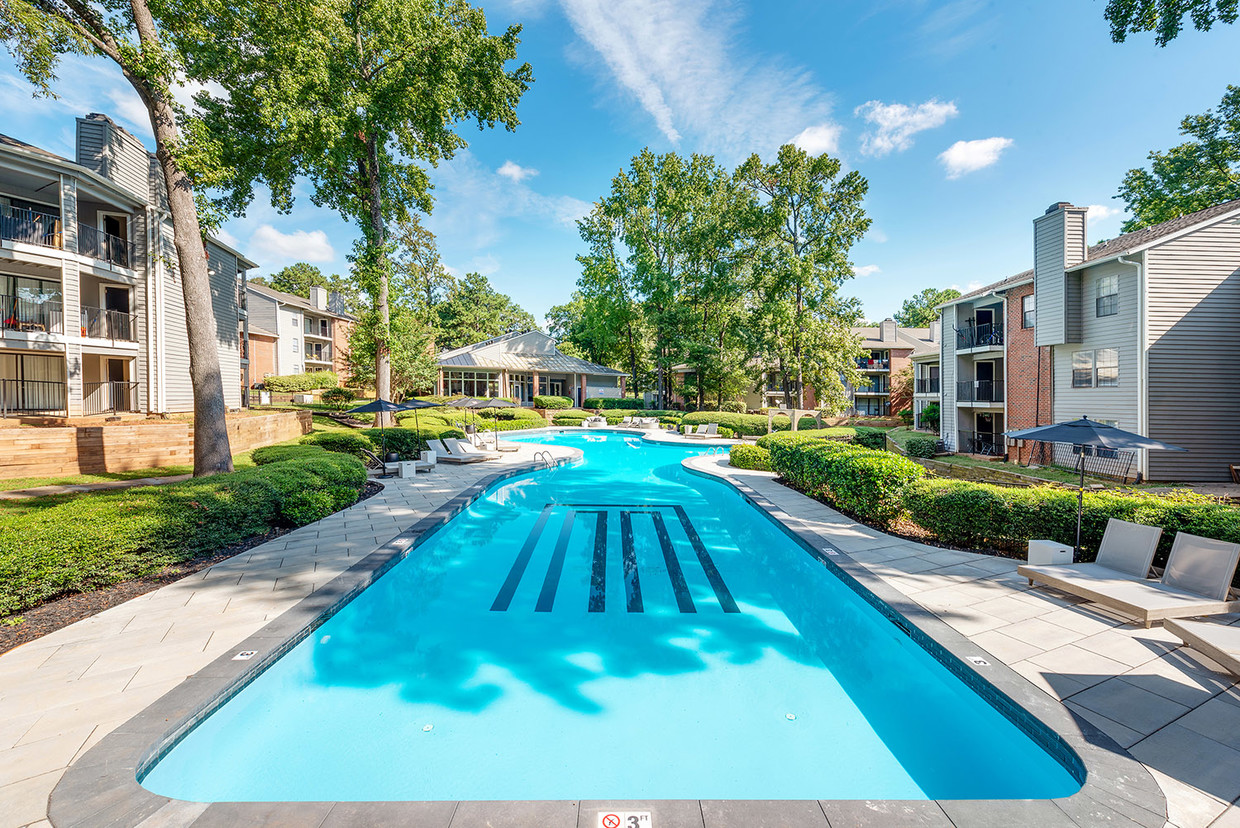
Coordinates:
[118,384]
[985,381]
[985,317]
[117,299]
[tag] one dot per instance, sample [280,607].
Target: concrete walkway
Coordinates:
[1174,710]
[61,694]
[80,488]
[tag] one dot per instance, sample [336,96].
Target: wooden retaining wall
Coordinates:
[50,452]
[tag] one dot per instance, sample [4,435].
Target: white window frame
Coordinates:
[1081,370]
[1111,367]
[1111,285]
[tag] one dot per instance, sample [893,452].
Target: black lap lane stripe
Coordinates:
[708,565]
[598,571]
[632,584]
[677,576]
[504,598]
[546,598]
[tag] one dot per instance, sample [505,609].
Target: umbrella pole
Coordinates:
[1080,502]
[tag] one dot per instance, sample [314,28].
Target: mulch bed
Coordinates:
[48,617]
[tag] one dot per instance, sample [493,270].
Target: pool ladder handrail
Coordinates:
[545,457]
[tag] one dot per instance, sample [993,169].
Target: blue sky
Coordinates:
[968,117]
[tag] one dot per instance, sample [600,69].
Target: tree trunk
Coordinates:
[212,453]
[378,240]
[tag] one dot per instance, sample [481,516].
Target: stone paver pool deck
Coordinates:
[1172,709]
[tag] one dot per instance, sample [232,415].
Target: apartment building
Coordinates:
[889,351]
[1119,332]
[289,334]
[92,320]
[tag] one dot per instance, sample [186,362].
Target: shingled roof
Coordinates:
[1147,236]
[526,352]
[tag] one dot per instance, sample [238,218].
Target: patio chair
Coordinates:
[467,449]
[700,431]
[443,455]
[1216,641]
[705,432]
[626,420]
[1197,580]
[374,462]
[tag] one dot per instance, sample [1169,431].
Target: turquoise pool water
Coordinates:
[616,629]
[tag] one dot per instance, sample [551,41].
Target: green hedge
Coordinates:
[921,446]
[95,540]
[745,456]
[608,403]
[278,454]
[869,484]
[570,418]
[844,433]
[344,442]
[300,383]
[750,425]
[871,438]
[547,401]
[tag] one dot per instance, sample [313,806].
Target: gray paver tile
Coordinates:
[1050,682]
[1125,736]
[1129,705]
[1041,634]
[552,814]
[1084,667]
[1188,756]
[1005,648]
[1230,818]
[756,813]
[26,801]
[885,814]
[1216,719]
[390,815]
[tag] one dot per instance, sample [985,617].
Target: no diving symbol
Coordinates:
[611,821]
[624,819]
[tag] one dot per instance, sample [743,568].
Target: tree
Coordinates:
[811,217]
[145,40]
[1166,17]
[1192,176]
[352,95]
[300,277]
[474,311]
[414,369]
[919,311]
[422,282]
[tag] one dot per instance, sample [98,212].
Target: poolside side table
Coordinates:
[1049,552]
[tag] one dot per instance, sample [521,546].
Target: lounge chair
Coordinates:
[374,462]
[1216,641]
[443,455]
[627,420]
[705,432]
[1197,579]
[465,448]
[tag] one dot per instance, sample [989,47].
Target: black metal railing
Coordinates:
[979,391]
[979,336]
[99,323]
[111,396]
[18,397]
[874,388]
[97,244]
[928,386]
[980,442]
[34,315]
[1099,461]
[866,364]
[30,227]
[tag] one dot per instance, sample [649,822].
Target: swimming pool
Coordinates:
[615,629]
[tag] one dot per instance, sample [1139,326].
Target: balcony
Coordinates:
[118,326]
[30,227]
[24,397]
[927,386]
[979,391]
[874,364]
[97,244]
[109,397]
[31,315]
[872,390]
[980,336]
[981,442]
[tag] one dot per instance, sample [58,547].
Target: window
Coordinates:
[472,383]
[309,326]
[295,346]
[1083,369]
[1107,303]
[1106,367]
[1027,311]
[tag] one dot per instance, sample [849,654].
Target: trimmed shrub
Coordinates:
[727,433]
[301,383]
[339,398]
[570,418]
[547,401]
[278,454]
[745,456]
[843,433]
[609,403]
[733,407]
[750,425]
[863,482]
[921,446]
[404,441]
[871,438]
[344,442]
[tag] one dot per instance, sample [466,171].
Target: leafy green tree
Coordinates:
[811,218]
[146,41]
[414,369]
[474,311]
[1166,17]
[919,311]
[421,280]
[1192,176]
[354,95]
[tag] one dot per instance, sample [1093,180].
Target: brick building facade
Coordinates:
[1029,377]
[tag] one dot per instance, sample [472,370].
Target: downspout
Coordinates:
[1143,412]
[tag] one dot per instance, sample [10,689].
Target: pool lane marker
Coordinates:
[708,566]
[504,598]
[683,600]
[546,598]
[598,570]
[632,584]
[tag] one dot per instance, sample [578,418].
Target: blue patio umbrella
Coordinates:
[1089,433]
[377,407]
[413,405]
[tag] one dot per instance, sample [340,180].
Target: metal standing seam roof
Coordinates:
[491,354]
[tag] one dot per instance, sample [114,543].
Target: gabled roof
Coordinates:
[1148,236]
[293,299]
[529,351]
[911,338]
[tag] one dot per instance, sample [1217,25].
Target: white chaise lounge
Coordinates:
[443,455]
[705,432]
[1217,641]
[464,448]
[1197,580]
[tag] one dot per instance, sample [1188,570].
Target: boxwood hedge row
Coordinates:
[745,456]
[866,483]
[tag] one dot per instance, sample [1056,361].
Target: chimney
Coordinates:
[1058,244]
[318,297]
[118,156]
[936,328]
[887,330]
[335,302]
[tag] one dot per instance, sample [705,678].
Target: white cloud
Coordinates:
[680,61]
[957,26]
[269,246]
[1101,212]
[964,157]
[819,139]
[876,235]
[896,124]
[128,107]
[515,172]
[228,238]
[866,270]
[485,265]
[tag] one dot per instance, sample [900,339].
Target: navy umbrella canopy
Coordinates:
[1087,432]
[413,405]
[377,407]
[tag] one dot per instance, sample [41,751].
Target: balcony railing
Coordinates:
[109,397]
[19,397]
[98,323]
[981,442]
[874,364]
[979,391]
[97,244]
[30,227]
[872,389]
[928,386]
[979,336]
[32,315]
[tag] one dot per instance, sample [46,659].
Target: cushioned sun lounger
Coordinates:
[1216,641]
[443,455]
[705,432]
[1197,579]
[465,449]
